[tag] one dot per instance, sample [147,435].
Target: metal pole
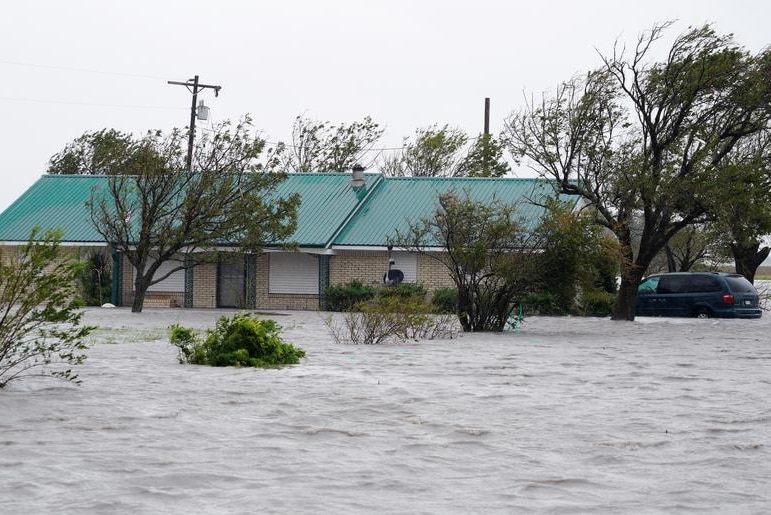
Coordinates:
[191,136]
[487,115]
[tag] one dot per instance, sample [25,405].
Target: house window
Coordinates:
[175,283]
[407,262]
[293,273]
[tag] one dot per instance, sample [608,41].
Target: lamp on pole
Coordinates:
[204,114]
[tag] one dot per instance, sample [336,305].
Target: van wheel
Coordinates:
[702,313]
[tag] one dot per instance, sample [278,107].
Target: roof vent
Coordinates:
[357,180]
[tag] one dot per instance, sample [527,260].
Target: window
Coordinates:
[175,283]
[704,284]
[293,273]
[648,286]
[407,262]
[672,284]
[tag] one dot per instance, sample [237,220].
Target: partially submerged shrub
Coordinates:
[445,300]
[240,341]
[391,319]
[403,291]
[597,302]
[342,297]
[542,303]
[40,324]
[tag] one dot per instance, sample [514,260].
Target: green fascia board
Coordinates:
[53,202]
[400,201]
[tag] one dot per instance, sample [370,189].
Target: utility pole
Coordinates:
[196,87]
[487,115]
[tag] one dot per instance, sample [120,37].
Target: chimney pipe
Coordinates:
[357,180]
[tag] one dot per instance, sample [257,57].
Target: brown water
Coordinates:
[568,415]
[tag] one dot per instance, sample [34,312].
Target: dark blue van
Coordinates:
[698,294]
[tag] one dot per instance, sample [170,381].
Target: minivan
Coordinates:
[698,294]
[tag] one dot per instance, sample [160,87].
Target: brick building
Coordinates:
[343,229]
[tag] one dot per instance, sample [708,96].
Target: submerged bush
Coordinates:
[597,303]
[391,319]
[240,341]
[342,297]
[445,300]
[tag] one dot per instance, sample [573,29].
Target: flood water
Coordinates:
[568,415]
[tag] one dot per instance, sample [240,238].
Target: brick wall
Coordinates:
[205,286]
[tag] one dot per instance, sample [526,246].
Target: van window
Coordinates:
[672,284]
[704,284]
[739,284]
[648,286]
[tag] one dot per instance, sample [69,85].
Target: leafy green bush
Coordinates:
[240,341]
[597,302]
[403,291]
[342,297]
[542,303]
[445,300]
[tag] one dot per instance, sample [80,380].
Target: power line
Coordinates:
[79,70]
[90,104]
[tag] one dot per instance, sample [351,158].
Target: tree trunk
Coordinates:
[139,294]
[748,258]
[627,299]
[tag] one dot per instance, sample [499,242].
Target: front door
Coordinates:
[231,283]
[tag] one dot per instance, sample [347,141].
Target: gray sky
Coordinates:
[81,65]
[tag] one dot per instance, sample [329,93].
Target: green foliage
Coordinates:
[542,303]
[576,254]
[342,297]
[391,319]
[597,302]
[489,254]
[95,279]
[445,300]
[239,341]
[484,159]
[403,291]
[95,153]
[40,329]
[433,152]
[324,147]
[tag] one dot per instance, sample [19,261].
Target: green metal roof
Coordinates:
[53,202]
[399,201]
[327,201]
[332,212]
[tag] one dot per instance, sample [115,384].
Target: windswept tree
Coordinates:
[103,152]
[646,139]
[742,206]
[487,250]
[446,152]
[156,211]
[325,147]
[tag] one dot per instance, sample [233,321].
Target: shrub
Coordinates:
[239,341]
[40,324]
[403,291]
[95,279]
[542,303]
[445,300]
[391,319]
[342,297]
[597,302]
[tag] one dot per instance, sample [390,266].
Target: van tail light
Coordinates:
[728,299]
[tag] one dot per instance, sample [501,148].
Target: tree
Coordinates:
[324,147]
[688,248]
[158,212]
[487,251]
[39,322]
[484,159]
[742,207]
[94,153]
[434,152]
[644,139]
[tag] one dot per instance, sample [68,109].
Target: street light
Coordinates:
[203,113]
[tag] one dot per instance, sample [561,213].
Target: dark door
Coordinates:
[231,284]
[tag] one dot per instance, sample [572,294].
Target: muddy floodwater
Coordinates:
[567,415]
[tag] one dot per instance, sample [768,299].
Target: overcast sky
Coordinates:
[79,65]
